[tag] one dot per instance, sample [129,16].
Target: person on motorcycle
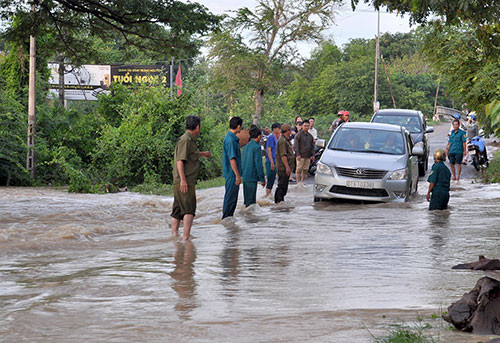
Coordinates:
[344,118]
[438,194]
[472,130]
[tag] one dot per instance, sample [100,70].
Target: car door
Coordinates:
[413,161]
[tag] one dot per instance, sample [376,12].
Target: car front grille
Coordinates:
[361,173]
[376,192]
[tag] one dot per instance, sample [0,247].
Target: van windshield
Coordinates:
[411,123]
[368,140]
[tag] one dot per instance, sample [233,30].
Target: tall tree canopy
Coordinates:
[150,24]
[273,26]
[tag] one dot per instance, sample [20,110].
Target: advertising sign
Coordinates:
[82,83]
[137,74]
[88,81]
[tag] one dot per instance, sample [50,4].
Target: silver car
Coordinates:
[369,162]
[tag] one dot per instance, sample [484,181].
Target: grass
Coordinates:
[416,333]
[164,189]
[407,334]
[492,173]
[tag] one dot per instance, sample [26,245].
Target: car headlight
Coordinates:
[399,174]
[324,169]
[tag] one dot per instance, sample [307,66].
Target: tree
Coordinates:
[273,27]
[149,24]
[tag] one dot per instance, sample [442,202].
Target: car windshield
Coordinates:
[411,123]
[368,141]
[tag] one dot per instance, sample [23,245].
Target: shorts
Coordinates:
[303,165]
[455,157]
[184,203]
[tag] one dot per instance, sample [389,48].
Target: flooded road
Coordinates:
[102,268]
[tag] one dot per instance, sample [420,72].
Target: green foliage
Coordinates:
[470,73]
[347,82]
[492,173]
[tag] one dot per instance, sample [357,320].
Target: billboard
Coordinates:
[89,80]
[137,74]
[82,83]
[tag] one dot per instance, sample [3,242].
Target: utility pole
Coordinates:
[172,78]
[377,48]
[388,80]
[30,161]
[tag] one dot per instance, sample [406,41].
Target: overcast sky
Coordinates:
[348,24]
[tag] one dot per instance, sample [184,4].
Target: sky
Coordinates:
[348,24]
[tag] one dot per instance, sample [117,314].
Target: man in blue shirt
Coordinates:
[252,167]
[456,150]
[231,167]
[272,142]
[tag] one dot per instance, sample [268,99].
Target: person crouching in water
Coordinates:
[253,171]
[439,183]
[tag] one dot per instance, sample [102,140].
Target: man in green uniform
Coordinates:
[439,183]
[285,161]
[186,168]
[253,171]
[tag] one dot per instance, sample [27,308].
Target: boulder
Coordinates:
[483,264]
[479,310]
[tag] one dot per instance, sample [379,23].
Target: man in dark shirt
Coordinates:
[185,172]
[285,162]
[231,167]
[304,150]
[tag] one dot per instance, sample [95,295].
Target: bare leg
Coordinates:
[452,167]
[459,171]
[304,175]
[175,226]
[188,222]
[268,191]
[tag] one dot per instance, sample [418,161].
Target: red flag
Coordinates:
[178,81]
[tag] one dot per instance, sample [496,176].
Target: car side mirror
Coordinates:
[320,143]
[417,150]
[430,129]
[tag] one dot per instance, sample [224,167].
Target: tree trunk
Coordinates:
[60,59]
[258,105]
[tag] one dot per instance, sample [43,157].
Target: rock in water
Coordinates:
[479,310]
[483,264]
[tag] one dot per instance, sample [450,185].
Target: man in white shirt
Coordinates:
[312,130]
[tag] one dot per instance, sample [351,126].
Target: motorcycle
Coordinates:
[314,163]
[477,151]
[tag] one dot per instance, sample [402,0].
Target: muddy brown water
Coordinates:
[102,268]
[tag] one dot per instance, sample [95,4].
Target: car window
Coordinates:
[411,123]
[368,140]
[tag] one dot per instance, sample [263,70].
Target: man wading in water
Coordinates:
[186,168]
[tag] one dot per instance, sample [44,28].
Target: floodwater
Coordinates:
[102,268]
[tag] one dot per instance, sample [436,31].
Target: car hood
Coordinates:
[376,161]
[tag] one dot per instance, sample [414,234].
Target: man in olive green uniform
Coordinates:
[186,168]
[285,162]
[439,183]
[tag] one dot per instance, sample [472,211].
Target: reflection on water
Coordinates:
[183,278]
[103,268]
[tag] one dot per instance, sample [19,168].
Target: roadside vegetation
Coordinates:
[492,173]
[127,138]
